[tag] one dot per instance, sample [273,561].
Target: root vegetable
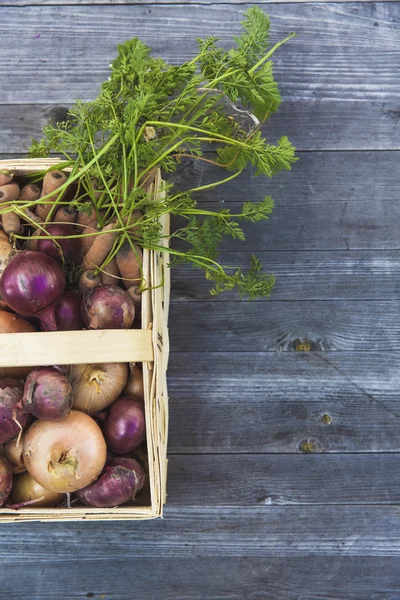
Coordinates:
[66,214]
[107,307]
[87,242]
[51,182]
[110,273]
[85,218]
[6,252]
[125,427]
[100,248]
[136,297]
[26,490]
[66,455]
[134,386]
[88,281]
[6,480]
[11,221]
[30,192]
[129,264]
[13,451]
[95,387]
[6,177]
[11,323]
[67,247]
[68,312]
[47,394]
[12,421]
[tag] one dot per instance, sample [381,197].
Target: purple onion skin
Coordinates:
[125,428]
[11,392]
[47,394]
[31,284]
[6,480]
[69,247]
[107,307]
[68,312]
[119,483]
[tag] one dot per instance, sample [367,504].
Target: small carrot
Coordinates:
[110,273]
[29,216]
[6,177]
[30,192]
[88,281]
[129,264]
[32,244]
[136,296]
[11,221]
[66,214]
[86,219]
[6,252]
[87,242]
[100,248]
[51,182]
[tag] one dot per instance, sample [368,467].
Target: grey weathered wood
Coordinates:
[200,532]
[315,275]
[269,479]
[276,326]
[307,122]
[284,402]
[343,51]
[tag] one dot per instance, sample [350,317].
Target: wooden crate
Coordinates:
[148,345]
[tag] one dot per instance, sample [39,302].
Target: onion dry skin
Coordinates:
[13,451]
[6,480]
[95,387]
[26,490]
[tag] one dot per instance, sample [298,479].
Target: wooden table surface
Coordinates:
[284,472]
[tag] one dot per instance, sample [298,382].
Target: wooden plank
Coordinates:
[279,479]
[317,275]
[278,326]
[343,51]
[205,578]
[307,122]
[74,347]
[274,531]
[297,402]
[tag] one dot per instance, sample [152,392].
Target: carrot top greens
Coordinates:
[151,115]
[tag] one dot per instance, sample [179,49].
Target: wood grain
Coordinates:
[297,402]
[281,326]
[301,275]
[307,122]
[342,52]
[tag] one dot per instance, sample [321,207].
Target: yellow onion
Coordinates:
[134,387]
[26,490]
[65,455]
[13,451]
[95,387]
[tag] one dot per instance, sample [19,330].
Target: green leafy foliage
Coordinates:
[151,115]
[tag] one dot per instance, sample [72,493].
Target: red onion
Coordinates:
[119,483]
[107,307]
[47,394]
[6,480]
[11,392]
[32,284]
[125,427]
[68,312]
[68,247]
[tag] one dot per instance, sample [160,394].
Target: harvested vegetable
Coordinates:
[134,386]
[10,220]
[110,273]
[12,421]
[88,280]
[88,239]
[125,427]
[119,483]
[66,214]
[51,182]
[66,455]
[100,248]
[11,323]
[95,387]
[13,451]
[129,261]
[47,394]
[32,284]
[30,192]
[6,177]
[27,491]
[62,247]
[107,307]
[6,480]
[6,252]
[68,312]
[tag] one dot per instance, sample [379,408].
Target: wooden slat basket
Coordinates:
[148,345]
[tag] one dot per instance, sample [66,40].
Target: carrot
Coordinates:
[6,177]
[136,296]
[30,192]
[88,281]
[87,242]
[100,248]
[51,182]
[11,221]
[6,252]
[129,263]
[110,273]
[85,218]
[66,214]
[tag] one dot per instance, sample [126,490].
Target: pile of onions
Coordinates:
[11,419]
[108,307]
[27,491]
[6,480]
[10,323]
[95,387]
[13,451]
[119,483]
[66,249]
[66,455]
[68,312]
[32,284]
[47,394]
[125,427]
